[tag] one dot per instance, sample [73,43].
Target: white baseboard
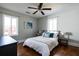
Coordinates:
[73,44]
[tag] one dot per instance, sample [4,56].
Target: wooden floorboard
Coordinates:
[58,51]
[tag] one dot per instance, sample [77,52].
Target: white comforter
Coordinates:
[41,44]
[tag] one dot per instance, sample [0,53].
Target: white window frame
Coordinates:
[49,24]
[11,24]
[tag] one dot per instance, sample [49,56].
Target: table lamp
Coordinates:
[68,33]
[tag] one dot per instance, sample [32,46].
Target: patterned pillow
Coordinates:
[45,34]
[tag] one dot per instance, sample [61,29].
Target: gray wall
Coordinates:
[1,30]
[42,23]
[23,33]
[68,21]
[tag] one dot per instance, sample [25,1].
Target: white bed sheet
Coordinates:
[41,44]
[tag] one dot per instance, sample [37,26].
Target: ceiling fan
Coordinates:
[39,8]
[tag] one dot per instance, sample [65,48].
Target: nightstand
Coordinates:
[38,34]
[63,41]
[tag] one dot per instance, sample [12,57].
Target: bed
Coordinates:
[41,44]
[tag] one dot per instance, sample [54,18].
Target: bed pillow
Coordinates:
[51,35]
[55,35]
[45,34]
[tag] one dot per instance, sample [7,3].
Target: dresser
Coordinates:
[8,46]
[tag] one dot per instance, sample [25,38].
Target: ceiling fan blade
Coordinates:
[32,8]
[35,12]
[27,12]
[40,6]
[46,9]
[42,13]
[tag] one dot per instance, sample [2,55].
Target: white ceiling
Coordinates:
[22,8]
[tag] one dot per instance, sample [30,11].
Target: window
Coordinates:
[52,24]
[10,25]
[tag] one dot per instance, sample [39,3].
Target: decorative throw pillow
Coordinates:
[45,34]
[51,35]
[55,35]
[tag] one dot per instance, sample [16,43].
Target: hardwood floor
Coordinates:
[58,51]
